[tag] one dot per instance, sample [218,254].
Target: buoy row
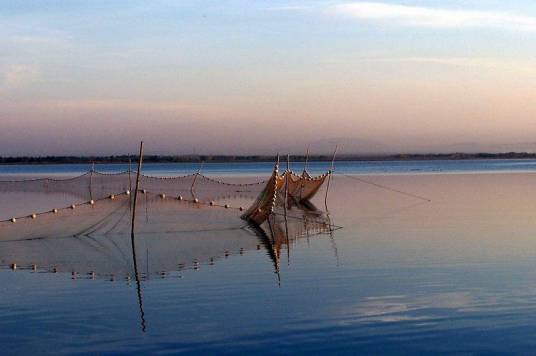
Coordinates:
[93,274]
[204,177]
[211,203]
[112,197]
[14,267]
[231,184]
[72,207]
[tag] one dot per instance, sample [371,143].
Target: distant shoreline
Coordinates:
[258,158]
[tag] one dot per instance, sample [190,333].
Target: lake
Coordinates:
[456,274]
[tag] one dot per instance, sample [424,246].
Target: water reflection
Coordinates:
[94,240]
[452,276]
[282,230]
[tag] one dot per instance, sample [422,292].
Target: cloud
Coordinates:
[289,8]
[433,17]
[489,63]
[17,76]
[114,107]
[504,64]
[463,62]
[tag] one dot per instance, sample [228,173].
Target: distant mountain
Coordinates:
[350,145]
[473,147]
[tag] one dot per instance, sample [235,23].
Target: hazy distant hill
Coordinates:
[350,146]
[472,147]
[359,146]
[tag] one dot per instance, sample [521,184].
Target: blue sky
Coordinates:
[95,77]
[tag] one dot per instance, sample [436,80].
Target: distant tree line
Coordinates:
[258,158]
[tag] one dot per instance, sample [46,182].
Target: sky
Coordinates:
[260,77]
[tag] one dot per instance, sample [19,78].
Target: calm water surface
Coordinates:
[454,275]
[264,168]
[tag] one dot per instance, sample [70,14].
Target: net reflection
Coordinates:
[284,227]
[93,239]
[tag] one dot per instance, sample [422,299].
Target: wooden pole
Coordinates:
[329,177]
[192,188]
[286,202]
[333,159]
[129,173]
[135,260]
[286,182]
[130,182]
[91,180]
[304,172]
[306,160]
[140,160]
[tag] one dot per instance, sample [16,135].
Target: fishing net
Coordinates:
[96,185]
[97,237]
[282,191]
[180,222]
[303,187]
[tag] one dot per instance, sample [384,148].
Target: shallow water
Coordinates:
[454,275]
